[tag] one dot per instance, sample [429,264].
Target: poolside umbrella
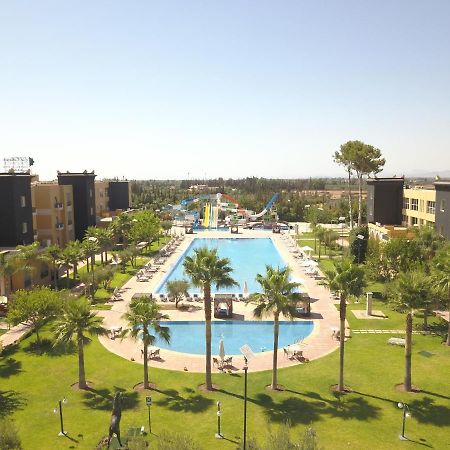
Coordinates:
[221,350]
[313,263]
[245,291]
[307,249]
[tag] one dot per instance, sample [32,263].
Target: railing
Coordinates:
[69,203]
[59,226]
[69,222]
[33,210]
[59,205]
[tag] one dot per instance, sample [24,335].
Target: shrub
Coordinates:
[9,437]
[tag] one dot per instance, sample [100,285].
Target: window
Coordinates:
[414,221]
[406,203]
[431,207]
[90,193]
[23,202]
[442,205]
[24,227]
[414,204]
[421,205]
[92,211]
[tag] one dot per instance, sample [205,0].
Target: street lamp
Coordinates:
[248,354]
[219,413]
[342,223]
[361,238]
[406,414]
[55,410]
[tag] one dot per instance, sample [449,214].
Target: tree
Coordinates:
[105,241]
[441,279]
[366,159]
[358,247]
[345,158]
[27,258]
[53,254]
[90,247]
[105,275]
[145,227]
[9,436]
[72,255]
[413,291]
[35,306]
[177,289]
[347,279]
[7,269]
[76,321]
[278,297]
[144,318]
[121,227]
[320,234]
[205,269]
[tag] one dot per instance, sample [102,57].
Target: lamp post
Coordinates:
[219,413]
[245,402]
[406,414]
[55,410]
[342,224]
[361,238]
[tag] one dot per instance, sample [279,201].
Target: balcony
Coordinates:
[58,205]
[34,210]
[35,235]
[60,226]
[69,203]
[69,222]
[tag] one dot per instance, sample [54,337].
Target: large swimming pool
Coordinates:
[248,258]
[189,336]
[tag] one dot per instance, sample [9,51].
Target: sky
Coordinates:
[200,89]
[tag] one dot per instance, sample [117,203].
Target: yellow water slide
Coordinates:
[206,216]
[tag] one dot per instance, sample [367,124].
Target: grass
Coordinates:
[32,381]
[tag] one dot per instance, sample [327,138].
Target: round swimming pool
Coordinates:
[189,336]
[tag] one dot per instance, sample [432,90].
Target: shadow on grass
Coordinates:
[298,410]
[46,347]
[10,401]
[426,411]
[10,367]
[192,402]
[102,399]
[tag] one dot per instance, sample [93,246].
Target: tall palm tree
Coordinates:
[277,298]
[72,255]
[410,291]
[347,279]
[53,254]
[105,241]
[205,269]
[76,321]
[143,317]
[441,279]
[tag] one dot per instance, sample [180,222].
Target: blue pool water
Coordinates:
[189,336]
[248,257]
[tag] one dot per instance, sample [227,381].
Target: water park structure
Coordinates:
[215,211]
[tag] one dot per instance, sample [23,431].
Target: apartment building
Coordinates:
[119,195]
[16,219]
[53,213]
[392,209]
[83,188]
[101,200]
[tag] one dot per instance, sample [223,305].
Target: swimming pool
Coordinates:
[248,256]
[189,336]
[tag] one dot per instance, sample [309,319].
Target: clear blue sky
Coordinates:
[147,89]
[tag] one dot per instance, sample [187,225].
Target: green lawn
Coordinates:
[32,383]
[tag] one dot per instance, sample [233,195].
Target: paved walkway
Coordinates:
[15,334]
[319,343]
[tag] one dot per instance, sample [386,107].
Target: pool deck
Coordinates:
[319,343]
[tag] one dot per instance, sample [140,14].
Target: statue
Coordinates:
[114,425]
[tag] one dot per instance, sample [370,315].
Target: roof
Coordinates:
[386,180]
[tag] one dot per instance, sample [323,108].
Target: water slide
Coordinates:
[206,216]
[214,219]
[267,207]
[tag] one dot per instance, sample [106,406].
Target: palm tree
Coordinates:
[53,254]
[144,318]
[347,279]
[105,240]
[76,321]
[278,297]
[411,290]
[320,234]
[441,279]
[7,269]
[27,258]
[205,269]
